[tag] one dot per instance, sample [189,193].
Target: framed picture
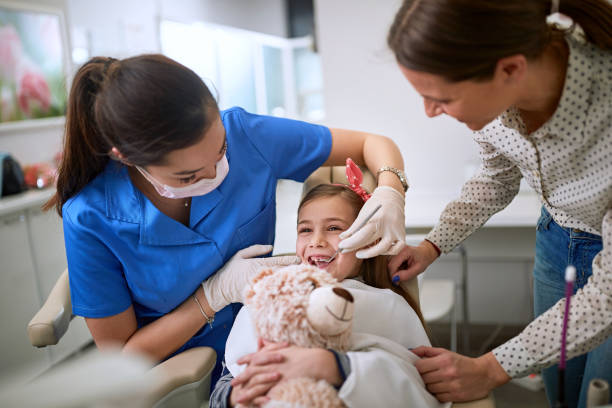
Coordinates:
[34,64]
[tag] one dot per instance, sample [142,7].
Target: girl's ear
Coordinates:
[260,343]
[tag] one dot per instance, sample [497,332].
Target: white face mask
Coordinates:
[198,188]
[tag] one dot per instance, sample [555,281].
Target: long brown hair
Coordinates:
[464,39]
[373,270]
[145,106]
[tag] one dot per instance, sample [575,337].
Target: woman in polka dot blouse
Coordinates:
[540,99]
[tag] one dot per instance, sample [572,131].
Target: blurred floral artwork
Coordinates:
[32,70]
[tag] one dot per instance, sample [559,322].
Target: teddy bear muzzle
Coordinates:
[330,310]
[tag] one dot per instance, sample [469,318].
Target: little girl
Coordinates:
[379,370]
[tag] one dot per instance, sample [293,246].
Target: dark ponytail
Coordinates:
[85,152]
[594,17]
[464,39]
[145,106]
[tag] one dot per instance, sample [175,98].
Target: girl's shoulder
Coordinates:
[359,285]
[355,283]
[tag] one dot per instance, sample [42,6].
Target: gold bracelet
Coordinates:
[209,320]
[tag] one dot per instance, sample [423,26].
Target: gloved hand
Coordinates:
[228,284]
[385,231]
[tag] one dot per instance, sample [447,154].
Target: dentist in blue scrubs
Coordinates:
[168,203]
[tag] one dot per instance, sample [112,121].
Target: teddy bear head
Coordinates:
[302,305]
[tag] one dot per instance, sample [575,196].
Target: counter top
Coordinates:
[423,211]
[27,199]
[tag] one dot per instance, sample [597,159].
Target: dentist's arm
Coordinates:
[385,232]
[168,333]
[373,151]
[158,339]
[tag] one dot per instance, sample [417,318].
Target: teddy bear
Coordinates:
[304,306]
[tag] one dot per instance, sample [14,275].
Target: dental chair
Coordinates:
[337,175]
[181,381]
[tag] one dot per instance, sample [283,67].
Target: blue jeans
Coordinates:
[556,248]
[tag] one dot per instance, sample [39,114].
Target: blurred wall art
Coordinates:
[33,63]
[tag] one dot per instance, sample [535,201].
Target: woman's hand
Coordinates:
[228,284]
[453,377]
[411,261]
[385,232]
[272,364]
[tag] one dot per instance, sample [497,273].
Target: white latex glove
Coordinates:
[228,284]
[387,225]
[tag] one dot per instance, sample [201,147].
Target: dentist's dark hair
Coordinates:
[464,39]
[373,270]
[145,106]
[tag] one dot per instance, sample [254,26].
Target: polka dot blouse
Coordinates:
[568,162]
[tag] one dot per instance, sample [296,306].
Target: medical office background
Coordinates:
[265,55]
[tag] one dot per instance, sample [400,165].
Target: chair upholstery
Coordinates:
[51,322]
[181,381]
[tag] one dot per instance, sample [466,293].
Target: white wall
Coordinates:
[122,28]
[264,16]
[365,90]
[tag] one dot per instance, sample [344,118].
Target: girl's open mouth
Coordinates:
[319,261]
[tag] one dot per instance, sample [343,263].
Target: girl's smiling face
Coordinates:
[320,222]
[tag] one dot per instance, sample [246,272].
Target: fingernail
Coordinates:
[395,279]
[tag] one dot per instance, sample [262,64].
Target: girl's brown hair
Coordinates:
[145,106]
[373,270]
[464,39]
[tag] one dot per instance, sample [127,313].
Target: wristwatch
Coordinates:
[399,173]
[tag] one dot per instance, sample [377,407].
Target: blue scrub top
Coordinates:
[123,251]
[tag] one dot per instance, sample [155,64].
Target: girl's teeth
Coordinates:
[319,262]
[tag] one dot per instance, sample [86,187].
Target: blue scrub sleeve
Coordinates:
[97,285]
[292,148]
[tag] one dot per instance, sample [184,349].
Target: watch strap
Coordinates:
[399,173]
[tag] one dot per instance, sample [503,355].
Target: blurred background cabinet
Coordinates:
[32,256]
